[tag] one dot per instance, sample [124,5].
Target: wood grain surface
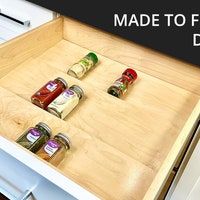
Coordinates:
[95,165]
[129,139]
[146,60]
[28,45]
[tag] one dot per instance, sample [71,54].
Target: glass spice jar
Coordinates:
[79,69]
[120,86]
[66,102]
[34,138]
[54,150]
[45,95]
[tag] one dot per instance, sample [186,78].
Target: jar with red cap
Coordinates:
[120,86]
[50,91]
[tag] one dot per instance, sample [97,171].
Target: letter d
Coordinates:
[195,43]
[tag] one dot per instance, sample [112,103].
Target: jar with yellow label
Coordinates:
[79,69]
[54,150]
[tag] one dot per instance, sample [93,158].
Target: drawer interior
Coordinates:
[117,144]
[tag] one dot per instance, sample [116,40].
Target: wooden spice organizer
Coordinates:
[122,148]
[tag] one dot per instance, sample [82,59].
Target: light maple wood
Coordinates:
[151,62]
[172,156]
[122,148]
[95,165]
[129,126]
[28,45]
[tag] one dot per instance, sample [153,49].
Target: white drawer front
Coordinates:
[22,11]
[16,178]
[26,172]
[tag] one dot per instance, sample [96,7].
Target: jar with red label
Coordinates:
[120,86]
[45,95]
[54,150]
[35,137]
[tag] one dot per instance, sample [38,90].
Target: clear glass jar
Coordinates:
[120,86]
[55,149]
[78,70]
[35,137]
[66,102]
[45,95]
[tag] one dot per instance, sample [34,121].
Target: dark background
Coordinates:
[174,41]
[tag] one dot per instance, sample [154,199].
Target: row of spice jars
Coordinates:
[38,140]
[57,98]
[119,87]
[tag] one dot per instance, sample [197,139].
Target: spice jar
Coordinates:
[35,137]
[44,96]
[120,86]
[54,150]
[66,102]
[83,66]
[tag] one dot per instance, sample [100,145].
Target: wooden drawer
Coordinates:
[122,148]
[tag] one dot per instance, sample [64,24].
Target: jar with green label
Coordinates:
[79,69]
[34,138]
[54,150]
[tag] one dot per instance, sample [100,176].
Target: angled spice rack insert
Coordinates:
[127,145]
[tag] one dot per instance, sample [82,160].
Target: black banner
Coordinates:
[173,31]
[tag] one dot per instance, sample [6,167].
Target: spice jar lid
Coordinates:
[65,138]
[78,90]
[130,74]
[46,127]
[63,81]
[93,57]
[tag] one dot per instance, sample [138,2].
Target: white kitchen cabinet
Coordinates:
[186,185]
[15,12]
[22,172]
[16,179]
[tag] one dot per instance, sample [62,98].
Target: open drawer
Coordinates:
[121,148]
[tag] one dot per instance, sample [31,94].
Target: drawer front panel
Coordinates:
[22,11]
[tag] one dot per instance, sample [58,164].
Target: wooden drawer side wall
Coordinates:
[166,168]
[146,60]
[30,44]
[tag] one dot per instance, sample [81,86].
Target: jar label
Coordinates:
[64,103]
[51,86]
[87,63]
[51,147]
[120,85]
[33,135]
[65,97]
[68,93]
